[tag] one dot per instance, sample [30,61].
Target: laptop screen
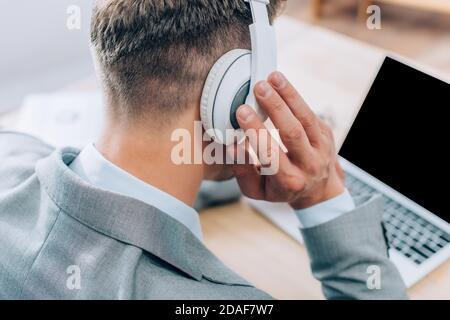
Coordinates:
[401,136]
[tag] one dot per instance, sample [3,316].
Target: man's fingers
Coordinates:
[258,135]
[291,130]
[246,172]
[280,179]
[298,106]
[267,149]
[249,181]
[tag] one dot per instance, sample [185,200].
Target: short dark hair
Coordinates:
[158,52]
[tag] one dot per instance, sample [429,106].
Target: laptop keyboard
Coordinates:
[414,237]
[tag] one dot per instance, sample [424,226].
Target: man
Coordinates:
[116,220]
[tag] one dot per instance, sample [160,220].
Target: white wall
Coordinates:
[37,51]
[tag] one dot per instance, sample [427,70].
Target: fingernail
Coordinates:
[245,114]
[263,89]
[278,80]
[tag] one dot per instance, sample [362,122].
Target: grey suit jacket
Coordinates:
[61,238]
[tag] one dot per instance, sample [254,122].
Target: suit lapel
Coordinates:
[130,221]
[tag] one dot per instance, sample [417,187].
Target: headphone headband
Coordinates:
[232,79]
[264,48]
[259,10]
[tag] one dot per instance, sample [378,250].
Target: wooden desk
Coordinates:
[261,253]
[333,73]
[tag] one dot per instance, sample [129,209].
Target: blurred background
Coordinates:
[40,54]
[419,29]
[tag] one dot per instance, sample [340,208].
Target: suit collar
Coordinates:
[95,169]
[129,220]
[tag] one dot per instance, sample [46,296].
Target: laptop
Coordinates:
[397,148]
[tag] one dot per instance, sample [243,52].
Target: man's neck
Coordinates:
[146,154]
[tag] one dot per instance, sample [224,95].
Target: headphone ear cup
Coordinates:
[223,93]
[239,99]
[210,89]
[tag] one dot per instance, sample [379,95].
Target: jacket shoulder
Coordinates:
[19,153]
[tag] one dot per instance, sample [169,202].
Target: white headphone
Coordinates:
[233,77]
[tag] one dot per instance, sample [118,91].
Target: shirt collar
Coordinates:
[95,169]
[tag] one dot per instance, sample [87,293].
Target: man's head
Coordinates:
[154,55]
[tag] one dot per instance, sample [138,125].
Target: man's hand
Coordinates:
[309,172]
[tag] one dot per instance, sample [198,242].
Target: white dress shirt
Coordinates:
[96,170]
[326,211]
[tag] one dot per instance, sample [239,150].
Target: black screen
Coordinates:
[401,135]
